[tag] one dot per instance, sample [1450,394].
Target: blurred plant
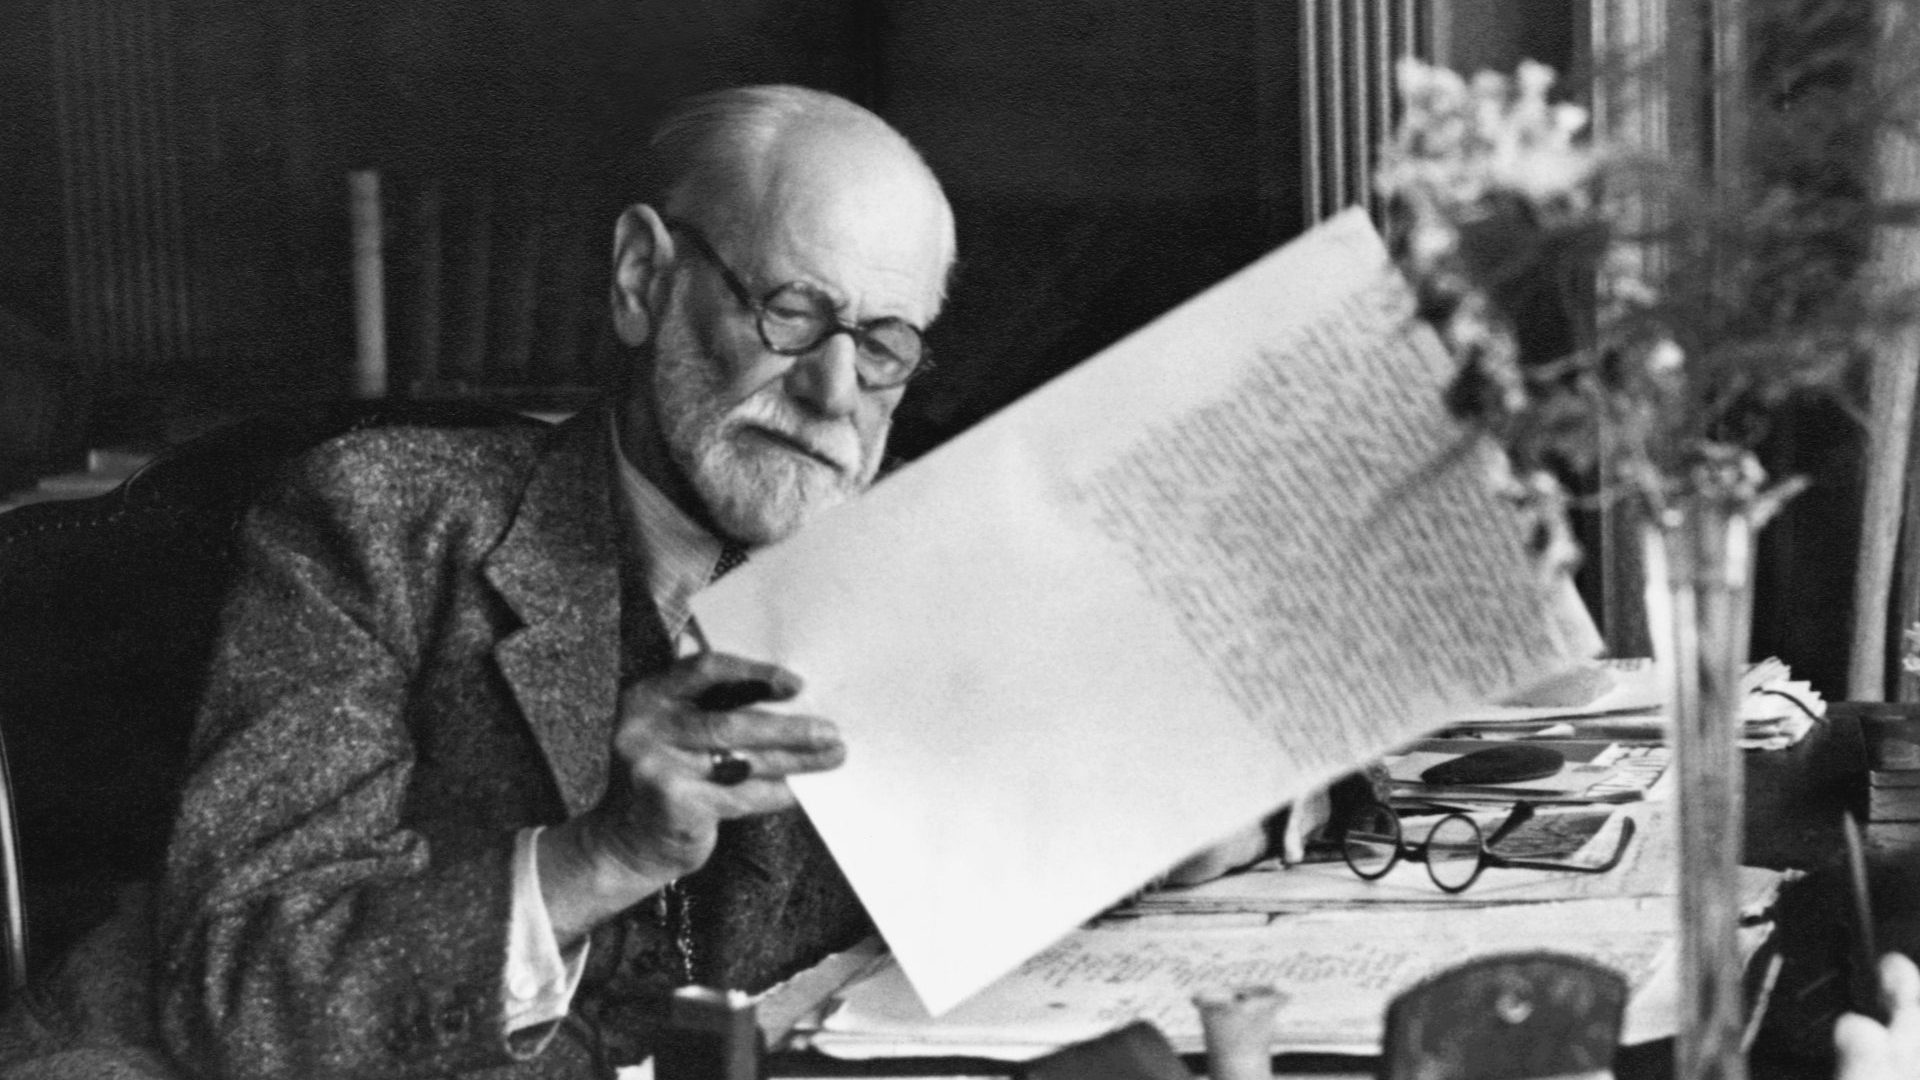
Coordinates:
[1583,286]
[1640,322]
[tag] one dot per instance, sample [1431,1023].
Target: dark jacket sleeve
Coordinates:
[307,927]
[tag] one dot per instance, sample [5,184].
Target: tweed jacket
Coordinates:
[422,657]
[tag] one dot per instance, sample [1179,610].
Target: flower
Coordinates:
[1581,286]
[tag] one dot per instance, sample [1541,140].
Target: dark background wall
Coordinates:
[1103,155]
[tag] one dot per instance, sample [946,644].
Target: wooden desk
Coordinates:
[1794,800]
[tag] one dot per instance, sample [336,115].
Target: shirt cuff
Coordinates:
[540,980]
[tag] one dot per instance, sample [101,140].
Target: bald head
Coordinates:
[738,161]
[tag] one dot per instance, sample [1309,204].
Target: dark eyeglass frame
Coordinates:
[1418,852]
[880,366]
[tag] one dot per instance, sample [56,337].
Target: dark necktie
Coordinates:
[647,647]
[731,556]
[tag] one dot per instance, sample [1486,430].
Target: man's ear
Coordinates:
[642,252]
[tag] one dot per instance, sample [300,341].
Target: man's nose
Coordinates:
[827,380]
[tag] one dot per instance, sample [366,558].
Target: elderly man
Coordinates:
[462,772]
[465,793]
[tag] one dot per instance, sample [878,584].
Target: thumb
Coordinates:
[1862,1049]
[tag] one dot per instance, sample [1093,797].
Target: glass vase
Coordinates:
[1699,562]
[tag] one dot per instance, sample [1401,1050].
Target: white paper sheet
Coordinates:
[1214,567]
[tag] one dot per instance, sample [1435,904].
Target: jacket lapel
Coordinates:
[558,568]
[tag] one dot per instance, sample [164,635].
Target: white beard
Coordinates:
[755,493]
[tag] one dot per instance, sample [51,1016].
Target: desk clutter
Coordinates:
[1623,699]
[1528,828]
[1893,768]
[1505,1016]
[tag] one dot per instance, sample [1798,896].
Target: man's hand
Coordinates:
[665,797]
[1870,1051]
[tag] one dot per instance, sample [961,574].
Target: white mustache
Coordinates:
[837,442]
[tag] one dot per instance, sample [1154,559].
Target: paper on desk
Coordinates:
[1336,972]
[1210,569]
[1634,686]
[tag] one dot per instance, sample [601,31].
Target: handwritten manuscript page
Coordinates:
[1202,573]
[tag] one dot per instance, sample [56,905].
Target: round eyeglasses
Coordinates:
[1455,850]
[797,318]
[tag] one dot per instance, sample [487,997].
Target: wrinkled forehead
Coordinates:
[859,217]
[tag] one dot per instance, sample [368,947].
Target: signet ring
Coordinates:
[727,768]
